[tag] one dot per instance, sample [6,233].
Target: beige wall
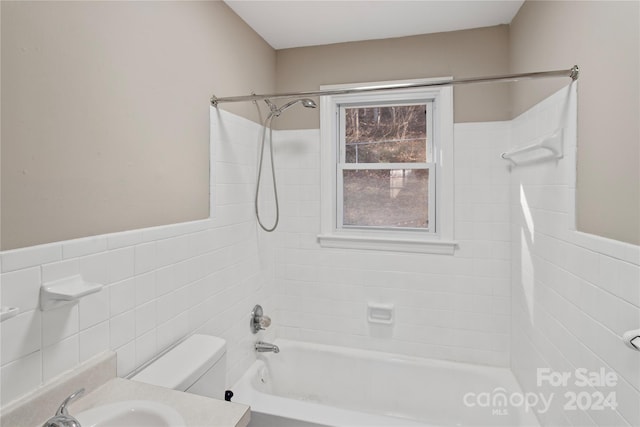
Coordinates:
[469,53]
[603,38]
[105,106]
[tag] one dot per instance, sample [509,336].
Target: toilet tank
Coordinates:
[196,365]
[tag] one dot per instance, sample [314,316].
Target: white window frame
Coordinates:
[439,239]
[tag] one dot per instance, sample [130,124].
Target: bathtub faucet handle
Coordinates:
[265,322]
[258,321]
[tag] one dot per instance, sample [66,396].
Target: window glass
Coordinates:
[396,198]
[386,134]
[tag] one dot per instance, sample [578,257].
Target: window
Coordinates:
[384,165]
[386,162]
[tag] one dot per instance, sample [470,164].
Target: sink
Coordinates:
[139,413]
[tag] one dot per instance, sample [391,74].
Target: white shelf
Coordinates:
[68,290]
[380,313]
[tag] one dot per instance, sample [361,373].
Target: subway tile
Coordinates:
[472,285]
[121,264]
[122,329]
[145,288]
[500,232]
[122,296]
[145,258]
[60,270]
[628,283]
[85,246]
[145,318]
[60,357]
[125,359]
[482,250]
[146,347]
[20,335]
[202,242]
[21,288]
[59,323]
[609,273]
[500,250]
[173,230]
[93,341]
[170,278]
[172,330]
[20,377]
[483,231]
[466,248]
[124,239]
[196,268]
[95,268]
[198,291]
[171,304]
[610,310]
[33,256]
[94,308]
[172,250]
[199,315]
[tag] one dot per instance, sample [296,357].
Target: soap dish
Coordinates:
[64,291]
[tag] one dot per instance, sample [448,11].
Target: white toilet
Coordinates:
[196,365]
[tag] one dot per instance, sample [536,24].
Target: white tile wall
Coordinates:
[573,294]
[446,307]
[522,289]
[161,283]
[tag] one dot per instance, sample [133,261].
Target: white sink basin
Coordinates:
[138,413]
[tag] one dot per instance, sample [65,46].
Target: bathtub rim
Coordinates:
[265,403]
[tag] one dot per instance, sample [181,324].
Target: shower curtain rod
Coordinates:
[572,73]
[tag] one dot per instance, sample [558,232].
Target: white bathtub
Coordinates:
[311,385]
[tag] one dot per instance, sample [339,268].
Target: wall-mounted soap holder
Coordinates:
[380,313]
[64,291]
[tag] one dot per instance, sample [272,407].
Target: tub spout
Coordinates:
[263,347]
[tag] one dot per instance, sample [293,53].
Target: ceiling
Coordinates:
[296,23]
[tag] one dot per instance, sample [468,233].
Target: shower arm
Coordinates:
[572,73]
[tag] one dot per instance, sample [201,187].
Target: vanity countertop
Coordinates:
[197,411]
[98,377]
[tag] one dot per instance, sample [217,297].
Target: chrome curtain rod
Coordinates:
[572,73]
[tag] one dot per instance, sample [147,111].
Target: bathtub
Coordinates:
[312,385]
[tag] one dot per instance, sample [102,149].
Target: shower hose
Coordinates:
[267,125]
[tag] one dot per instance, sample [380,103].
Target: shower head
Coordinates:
[306,102]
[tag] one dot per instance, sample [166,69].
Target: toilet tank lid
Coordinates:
[184,364]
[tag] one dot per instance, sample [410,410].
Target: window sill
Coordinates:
[393,244]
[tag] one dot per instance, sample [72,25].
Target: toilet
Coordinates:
[197,365]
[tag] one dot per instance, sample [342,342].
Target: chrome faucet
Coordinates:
[264,347]
[62,417]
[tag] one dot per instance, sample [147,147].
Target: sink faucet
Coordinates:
[263,347]
[62,417]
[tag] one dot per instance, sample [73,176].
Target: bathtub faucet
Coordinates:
[264,347]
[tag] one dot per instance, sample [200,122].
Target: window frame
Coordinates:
[438,239]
